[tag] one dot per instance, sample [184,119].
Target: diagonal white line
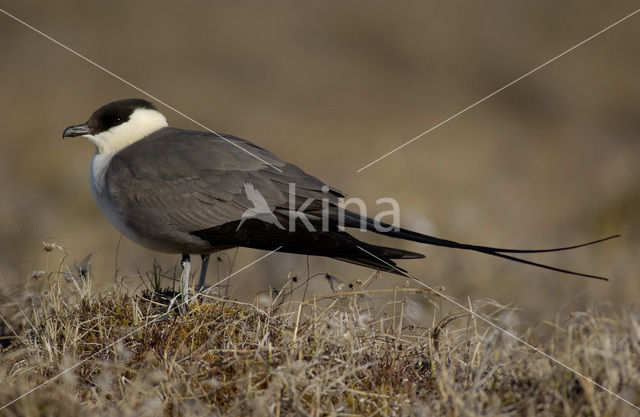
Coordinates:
[498,90]
[503,330]
[37,387]
[136,88]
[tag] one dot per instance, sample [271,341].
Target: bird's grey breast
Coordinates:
[100,191]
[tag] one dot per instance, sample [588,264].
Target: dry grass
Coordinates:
[354,351]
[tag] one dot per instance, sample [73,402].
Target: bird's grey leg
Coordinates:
[203,270]
[186,268]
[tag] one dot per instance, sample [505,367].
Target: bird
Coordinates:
[192,192]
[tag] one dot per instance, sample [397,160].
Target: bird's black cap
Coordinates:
[108,116]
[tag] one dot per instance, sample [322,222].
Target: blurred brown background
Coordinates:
[330,86]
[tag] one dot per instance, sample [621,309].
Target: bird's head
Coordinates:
[118,124]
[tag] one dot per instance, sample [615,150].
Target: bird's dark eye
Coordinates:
[113,120]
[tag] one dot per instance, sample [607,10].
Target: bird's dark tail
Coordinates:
[355,220]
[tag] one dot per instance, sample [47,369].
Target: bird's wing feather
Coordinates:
[195,180]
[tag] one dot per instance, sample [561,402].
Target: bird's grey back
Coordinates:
[175,181]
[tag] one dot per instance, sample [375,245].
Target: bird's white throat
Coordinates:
[141,123]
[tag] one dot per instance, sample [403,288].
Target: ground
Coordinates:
[353,351]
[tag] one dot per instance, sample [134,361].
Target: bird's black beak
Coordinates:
[76,130]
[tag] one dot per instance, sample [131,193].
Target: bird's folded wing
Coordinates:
[195,180]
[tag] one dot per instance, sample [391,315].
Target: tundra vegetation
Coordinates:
[354,350]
